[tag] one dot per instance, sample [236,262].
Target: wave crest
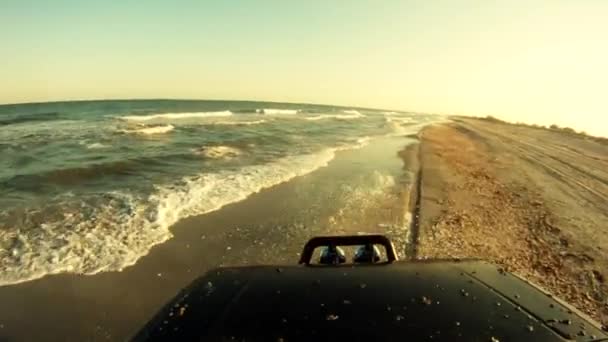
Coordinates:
[219,152]
[390,119]
[149,130]
[335,116]
[15,119]
[112,231]
[175,116]
[272,111]
[237,123]
[95,146]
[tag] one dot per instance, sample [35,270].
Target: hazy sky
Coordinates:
[535,61]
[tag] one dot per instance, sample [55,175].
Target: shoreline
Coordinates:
[412,201]
[462,189]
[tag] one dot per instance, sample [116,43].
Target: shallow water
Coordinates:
[92,186]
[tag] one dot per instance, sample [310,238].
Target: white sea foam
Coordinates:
[352,111]
[399,120]
[95,146]
[237,123]
[219,152]
[111,232]
[362,197]
[408,126]
[272,111]
[335,116]
[149,130]
[400,130]
[363,141]
[175,116]
[81,238]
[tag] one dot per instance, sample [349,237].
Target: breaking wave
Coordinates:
[272,111]
[335,116]
[112,231]
[236,123]
[149,130]
[219,152]
[390,119]
[95,146]
[175,116]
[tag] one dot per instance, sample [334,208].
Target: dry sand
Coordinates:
[532,200]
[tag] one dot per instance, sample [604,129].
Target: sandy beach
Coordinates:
[533,200]
[146,145]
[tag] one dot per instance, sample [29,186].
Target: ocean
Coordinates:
[92,186]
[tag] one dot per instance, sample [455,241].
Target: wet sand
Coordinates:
[530,199]
[268,227]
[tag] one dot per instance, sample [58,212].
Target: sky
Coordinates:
[535,61]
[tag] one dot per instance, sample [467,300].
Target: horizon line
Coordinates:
[210,100]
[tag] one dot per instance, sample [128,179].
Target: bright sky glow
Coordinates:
[541,61]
